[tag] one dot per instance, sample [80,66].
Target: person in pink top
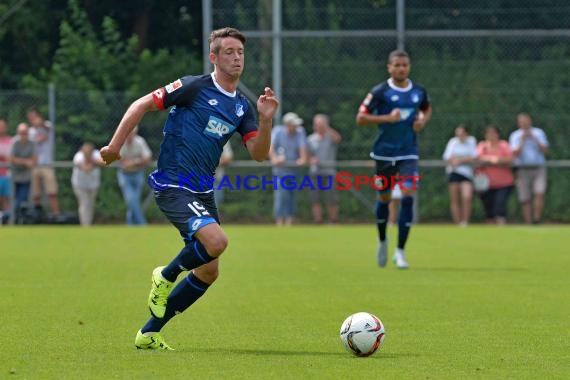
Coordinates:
[495,158]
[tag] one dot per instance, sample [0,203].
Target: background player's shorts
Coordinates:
[187,211]
[390,169]
[43,176]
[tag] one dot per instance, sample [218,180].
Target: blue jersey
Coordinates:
[396,141]
[202,119]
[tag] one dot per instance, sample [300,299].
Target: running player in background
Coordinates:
[400,109]
[206,111]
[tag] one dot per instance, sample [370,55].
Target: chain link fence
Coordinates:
[481,63]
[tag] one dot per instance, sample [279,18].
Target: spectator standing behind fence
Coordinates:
[322,146]
[5,148]
[529,145]
[85,180]
[135,157]
[288,153]
[43,175]
[225,159]
[23,158]
[495,157]
[460,154]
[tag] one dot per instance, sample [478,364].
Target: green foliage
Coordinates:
[477,81]
[28,34]
[97,75]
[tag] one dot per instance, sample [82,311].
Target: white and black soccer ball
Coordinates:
[362,334]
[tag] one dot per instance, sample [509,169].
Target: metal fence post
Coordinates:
[277,54]
[401,24]
[207,21]
[52,113]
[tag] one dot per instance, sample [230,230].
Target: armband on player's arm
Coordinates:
[364,117]
[259,142]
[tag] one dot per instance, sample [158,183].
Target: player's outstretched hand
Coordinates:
[267,104]
[109,156]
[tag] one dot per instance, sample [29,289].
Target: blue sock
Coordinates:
[382,212]
[192,256]
[182,296]
[405,220]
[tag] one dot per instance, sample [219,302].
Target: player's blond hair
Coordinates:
[216,36]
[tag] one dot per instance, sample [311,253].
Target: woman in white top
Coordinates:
[460,153]
[85,180]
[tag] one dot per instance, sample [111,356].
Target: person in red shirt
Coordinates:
[495,157]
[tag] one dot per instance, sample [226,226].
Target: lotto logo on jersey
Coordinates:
[218,128]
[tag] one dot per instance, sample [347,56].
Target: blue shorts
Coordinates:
[404,172]
[187,211]
[5,186]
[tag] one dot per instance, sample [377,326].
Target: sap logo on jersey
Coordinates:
[218,128]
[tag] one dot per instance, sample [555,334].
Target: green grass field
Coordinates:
[478,302]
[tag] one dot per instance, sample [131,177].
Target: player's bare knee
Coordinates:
[216,245]
[385,198]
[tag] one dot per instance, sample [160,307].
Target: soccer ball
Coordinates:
[362,334]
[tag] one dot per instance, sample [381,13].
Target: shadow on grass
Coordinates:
[262,352]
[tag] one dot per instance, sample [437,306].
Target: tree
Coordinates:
[28,38]
[97,74]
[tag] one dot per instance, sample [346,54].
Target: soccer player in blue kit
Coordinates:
[400,109]
[206,111]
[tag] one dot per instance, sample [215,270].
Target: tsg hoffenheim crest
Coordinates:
[239,110]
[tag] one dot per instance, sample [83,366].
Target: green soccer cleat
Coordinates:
[158,293]
[155,342]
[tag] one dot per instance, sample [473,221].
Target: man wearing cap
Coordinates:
[288,153]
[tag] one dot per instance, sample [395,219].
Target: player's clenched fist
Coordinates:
[109,156]
[420,122]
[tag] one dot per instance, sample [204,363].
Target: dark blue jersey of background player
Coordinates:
[202,119]
[396,140]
